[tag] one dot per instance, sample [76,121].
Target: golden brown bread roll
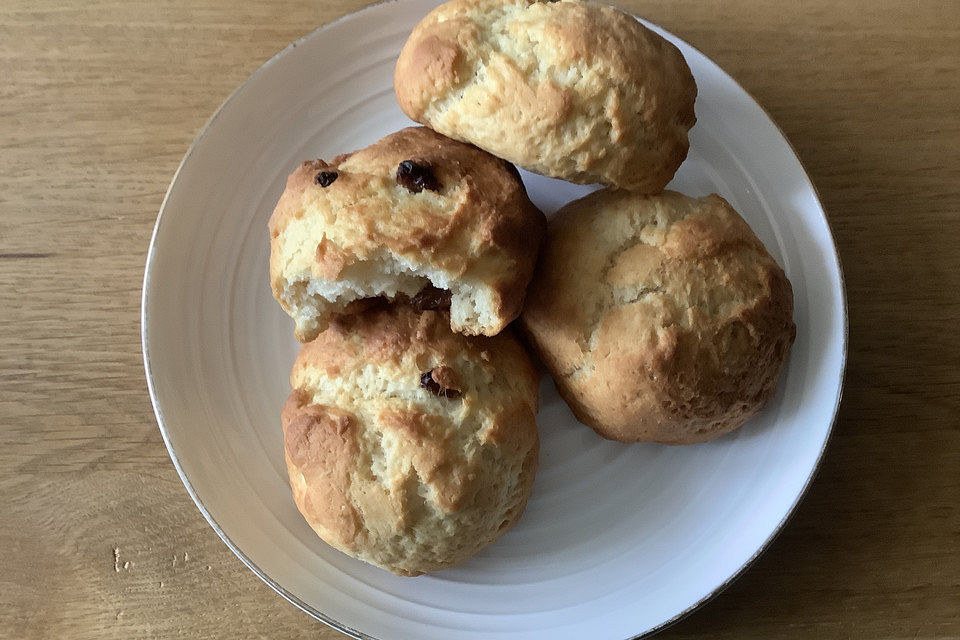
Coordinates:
[568,89]
[409,446]
[661,318]
[413,212]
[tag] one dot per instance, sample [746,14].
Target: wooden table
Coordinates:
[99,100]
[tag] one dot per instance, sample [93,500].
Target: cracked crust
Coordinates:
[661,318]
[364,235]
[567,89]
[390,473]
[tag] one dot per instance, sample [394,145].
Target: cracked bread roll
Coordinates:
[409,446]
[567,89]
[661,318]
[415,213]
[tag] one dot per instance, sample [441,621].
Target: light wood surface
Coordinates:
[100,99]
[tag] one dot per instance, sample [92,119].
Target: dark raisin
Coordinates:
[430,298]
[434,387]
[417,175]
[361,305]
[326,178]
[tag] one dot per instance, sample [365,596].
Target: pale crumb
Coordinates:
[126,565]
[119,613]
[161,584]
[208,567]
[116,559]
[186,556]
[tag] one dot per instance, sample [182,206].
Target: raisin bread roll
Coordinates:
[409,446]
[415,213]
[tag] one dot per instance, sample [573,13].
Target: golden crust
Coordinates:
[478,232]
[567,89]
[393,474]
[661,318]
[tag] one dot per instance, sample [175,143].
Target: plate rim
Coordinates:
[321,616]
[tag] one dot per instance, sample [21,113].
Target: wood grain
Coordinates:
[99,100]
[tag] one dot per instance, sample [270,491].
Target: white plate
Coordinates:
[617,540]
